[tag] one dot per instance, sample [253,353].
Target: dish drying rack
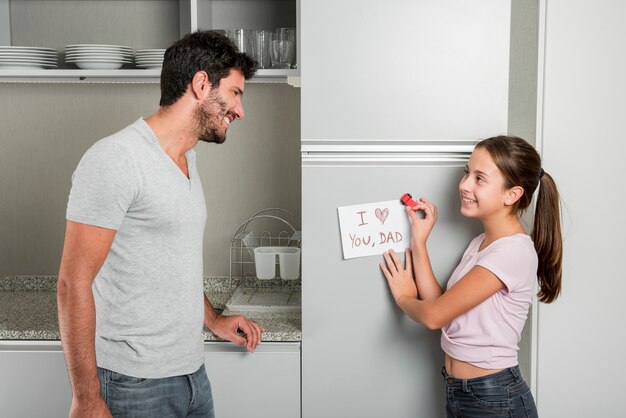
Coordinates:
[251,293]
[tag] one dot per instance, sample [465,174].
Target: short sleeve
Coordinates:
[512,261]
[103,186]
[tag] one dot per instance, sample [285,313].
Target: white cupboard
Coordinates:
[33,380]
[263,384]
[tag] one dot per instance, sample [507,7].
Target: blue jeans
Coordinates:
[502,394]
[170,397]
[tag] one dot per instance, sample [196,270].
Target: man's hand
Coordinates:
[227,328]
[89,408]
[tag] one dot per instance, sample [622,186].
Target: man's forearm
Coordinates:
[210,314]
[77,323]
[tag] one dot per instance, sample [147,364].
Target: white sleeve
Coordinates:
[103,187]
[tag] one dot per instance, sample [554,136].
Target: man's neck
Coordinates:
[172,129]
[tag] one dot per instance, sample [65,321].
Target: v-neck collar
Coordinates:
[190,155]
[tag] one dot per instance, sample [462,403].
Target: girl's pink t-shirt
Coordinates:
[487,335]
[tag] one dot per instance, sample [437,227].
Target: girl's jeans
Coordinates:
[502,394]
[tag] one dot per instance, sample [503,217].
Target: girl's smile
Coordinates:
[482,187]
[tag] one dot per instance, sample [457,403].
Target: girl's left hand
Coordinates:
[400,279]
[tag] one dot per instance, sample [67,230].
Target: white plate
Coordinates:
[99,56]
[36,57]
[26,48]
[97,46]
[98,51]
[25,65]
[150,51]
[97,65]
[149,54]
[104,52]
[113,61]
[26,59]
[27,54]
[107,63]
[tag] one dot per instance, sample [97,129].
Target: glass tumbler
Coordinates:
[283,50]
[261,43]
[242,38]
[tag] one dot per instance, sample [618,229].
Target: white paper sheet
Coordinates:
[373,228]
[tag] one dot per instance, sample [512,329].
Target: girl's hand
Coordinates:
[400,279]
[421,228]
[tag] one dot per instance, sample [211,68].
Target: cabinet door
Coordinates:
[265,383]
[34,381]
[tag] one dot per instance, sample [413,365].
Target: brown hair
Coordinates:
[520,165]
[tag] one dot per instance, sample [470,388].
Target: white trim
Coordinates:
[30,345]
[541,49]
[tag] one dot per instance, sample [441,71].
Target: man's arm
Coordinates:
[227,327]
[84,251]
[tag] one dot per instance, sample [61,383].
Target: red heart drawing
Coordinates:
[382,214]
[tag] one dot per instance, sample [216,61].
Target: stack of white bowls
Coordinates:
[101,57]
[27,57]
[149,58]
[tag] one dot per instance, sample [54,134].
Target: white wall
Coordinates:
[581,336]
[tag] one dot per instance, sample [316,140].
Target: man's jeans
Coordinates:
[170,397]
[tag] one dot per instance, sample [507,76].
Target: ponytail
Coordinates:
[520,164]
[546,235]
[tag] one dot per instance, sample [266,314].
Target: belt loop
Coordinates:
[465,386]
[516,373]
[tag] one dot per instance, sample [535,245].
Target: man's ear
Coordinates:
[200,85]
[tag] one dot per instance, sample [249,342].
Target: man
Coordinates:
[130,289]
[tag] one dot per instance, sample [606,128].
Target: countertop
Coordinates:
[28,311]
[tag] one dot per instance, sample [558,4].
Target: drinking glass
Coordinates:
[261,43]
[242,38]
[283,50]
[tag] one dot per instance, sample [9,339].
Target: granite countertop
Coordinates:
[28,311]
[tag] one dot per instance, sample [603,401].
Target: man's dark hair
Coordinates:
[200,51]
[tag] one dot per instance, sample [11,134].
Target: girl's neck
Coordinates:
[500,228]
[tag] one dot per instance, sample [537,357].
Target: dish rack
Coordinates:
[265,228]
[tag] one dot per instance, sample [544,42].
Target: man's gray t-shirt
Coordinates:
[149,291]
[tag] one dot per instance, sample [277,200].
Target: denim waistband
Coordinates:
[512,374]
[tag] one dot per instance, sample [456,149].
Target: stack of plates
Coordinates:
[101,57]
[149,58]
[27,57]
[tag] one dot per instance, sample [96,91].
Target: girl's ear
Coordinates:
[512,195]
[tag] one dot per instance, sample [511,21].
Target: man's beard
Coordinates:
[209,117]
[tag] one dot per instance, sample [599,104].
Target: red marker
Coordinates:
[407,199]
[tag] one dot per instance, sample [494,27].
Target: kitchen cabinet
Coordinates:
[33,380]
[265,383]
[134,23]
[418,69]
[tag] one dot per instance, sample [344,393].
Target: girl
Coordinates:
[482,311]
